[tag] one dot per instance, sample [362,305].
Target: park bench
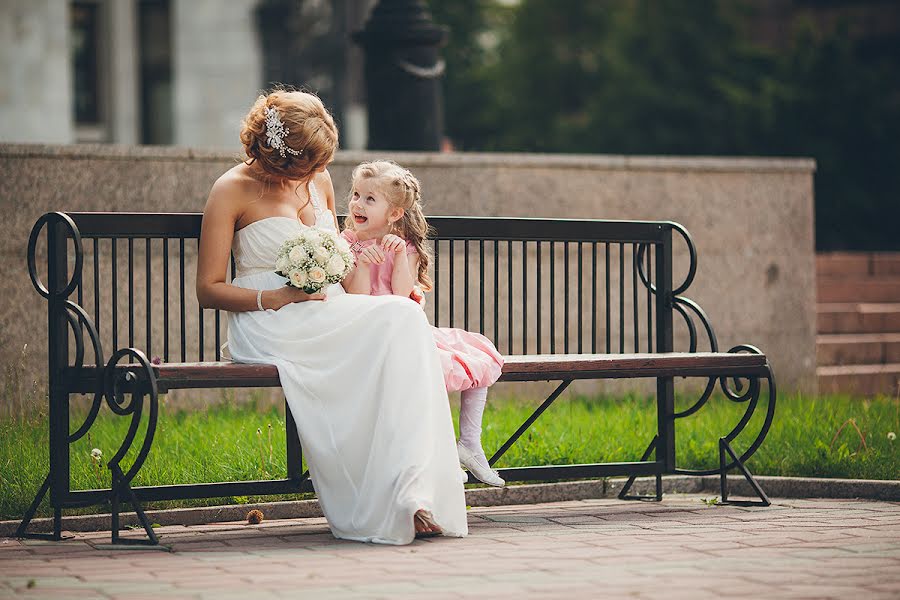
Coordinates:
[564,300]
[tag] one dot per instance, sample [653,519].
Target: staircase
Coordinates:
[858,343]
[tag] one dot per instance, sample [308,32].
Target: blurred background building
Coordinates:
[818,78]
[722,78]
[178,72]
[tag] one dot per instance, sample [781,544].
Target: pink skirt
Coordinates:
[469,360]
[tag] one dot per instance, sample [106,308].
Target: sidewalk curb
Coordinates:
[775,487]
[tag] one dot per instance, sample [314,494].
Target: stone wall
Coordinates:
[751,220]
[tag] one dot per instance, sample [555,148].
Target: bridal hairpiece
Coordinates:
[276,132]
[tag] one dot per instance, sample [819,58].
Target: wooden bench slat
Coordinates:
[619,366]
[534,367]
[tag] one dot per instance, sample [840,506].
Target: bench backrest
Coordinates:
[533,286]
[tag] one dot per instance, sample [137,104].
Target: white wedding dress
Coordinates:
[363,380]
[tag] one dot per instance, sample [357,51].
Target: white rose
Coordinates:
[312,236]
[317,275]
[298,278]
[297,254]
[282,264]
[342,244]
[321,255]
[336,265]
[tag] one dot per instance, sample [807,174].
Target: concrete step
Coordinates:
[884,288]
[886,263]
[843,264]
[858,348]
[860,380]
[858,318]
[857,264]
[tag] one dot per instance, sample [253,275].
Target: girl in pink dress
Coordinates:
[386,230]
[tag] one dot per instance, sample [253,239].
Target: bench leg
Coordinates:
[531,419]
[623,494]
[725,447]
[22,529]
[294,451]
[117,488]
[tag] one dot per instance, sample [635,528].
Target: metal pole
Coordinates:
[403,76]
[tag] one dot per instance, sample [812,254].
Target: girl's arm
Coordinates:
[406,266]
[222,211]
[359,280]
[404,276]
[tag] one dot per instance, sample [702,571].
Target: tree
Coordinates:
[674,77]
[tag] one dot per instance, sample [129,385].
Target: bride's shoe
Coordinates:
[479,468]
[426,520]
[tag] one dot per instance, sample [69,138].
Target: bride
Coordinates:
[360,373]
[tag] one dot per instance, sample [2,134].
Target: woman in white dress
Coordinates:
[361,374]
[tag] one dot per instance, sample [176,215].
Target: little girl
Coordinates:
[386,230]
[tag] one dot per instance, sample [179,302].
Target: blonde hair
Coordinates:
[311,132]
[402,190]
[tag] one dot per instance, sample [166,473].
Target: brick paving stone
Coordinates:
[680,548]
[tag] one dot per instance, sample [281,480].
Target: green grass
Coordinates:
[231,441]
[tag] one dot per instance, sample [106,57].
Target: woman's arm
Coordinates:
[217,230]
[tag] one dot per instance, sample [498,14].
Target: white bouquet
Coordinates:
[314,259]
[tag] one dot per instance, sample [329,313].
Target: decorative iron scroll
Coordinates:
[111,381]
[740,390]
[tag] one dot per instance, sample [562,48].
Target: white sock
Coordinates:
[471,409]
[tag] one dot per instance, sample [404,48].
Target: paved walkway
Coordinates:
[679,548]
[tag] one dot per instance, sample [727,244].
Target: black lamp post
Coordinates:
[403,76]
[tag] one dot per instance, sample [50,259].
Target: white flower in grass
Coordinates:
[336,265]
[317,275]
[298,278]
[96,454]
[892,436]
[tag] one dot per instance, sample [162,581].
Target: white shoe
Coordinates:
[477,465]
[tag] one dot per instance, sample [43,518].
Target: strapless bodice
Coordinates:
[256,245]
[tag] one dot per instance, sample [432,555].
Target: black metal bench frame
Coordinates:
[128,372]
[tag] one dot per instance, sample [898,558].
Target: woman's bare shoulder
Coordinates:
[232,190]
[322,181]
[235,180]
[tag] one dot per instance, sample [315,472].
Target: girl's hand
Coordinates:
[371,255]
[288,295]
[393,243]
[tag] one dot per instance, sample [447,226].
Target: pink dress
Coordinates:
[469,360]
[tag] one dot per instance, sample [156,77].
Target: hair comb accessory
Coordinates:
[276,132]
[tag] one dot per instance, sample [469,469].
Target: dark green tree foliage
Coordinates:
[470,81]
[842,108]
[675,77]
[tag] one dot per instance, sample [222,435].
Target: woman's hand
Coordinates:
[372,255]
[393,243]
[287,294]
